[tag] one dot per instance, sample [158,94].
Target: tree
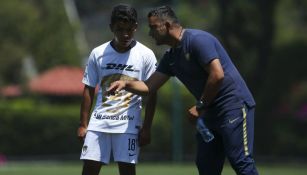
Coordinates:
[36,28]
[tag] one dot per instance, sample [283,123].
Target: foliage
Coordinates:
[164,127]
[53,43]
[289,134]
[292,24]
[282,96]
[36,28]
[32,129]
[15,35]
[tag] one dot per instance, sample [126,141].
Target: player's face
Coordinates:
[123,33]
[157,30]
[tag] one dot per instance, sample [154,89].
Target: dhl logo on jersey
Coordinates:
[120,67]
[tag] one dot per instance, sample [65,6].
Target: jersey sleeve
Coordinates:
[203,47]
[150,65]
[165,65]
[90,76]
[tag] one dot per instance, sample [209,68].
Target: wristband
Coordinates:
[201,104]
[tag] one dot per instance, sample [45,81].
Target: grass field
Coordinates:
[54,168]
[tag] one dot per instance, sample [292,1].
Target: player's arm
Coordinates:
[86,105]
[215,77]
[155,81]
[145,132]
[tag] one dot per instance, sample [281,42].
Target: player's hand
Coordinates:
[193,114]
[115,87]
[81,133]
[144,137]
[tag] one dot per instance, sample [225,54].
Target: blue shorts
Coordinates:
[234,137]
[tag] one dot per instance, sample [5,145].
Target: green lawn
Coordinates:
[142,169]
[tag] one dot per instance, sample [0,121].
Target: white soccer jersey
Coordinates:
[119,113]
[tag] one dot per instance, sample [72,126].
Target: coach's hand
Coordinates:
[144,137]
[115,87]
[193,115]
[81,133]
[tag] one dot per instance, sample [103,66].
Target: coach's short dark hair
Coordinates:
[165,13]
[123,12]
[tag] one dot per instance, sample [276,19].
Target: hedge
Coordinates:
[33,129]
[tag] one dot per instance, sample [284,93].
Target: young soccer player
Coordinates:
[115,127]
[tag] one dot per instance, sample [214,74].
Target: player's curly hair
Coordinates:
[165,13]
[123,12]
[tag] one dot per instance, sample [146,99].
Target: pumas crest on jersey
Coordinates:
[84,149]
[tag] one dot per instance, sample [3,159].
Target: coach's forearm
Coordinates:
[137,87]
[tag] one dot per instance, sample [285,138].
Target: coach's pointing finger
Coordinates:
[115,87]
